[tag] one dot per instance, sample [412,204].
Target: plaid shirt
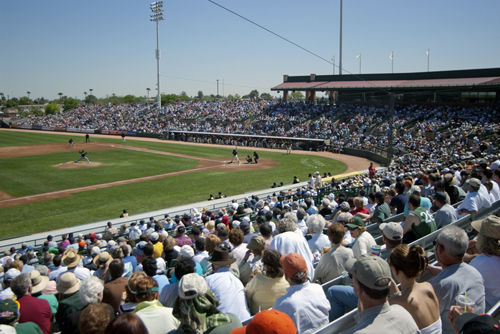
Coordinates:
[184,240]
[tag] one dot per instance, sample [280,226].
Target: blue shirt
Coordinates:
[162,280]
[199,271]
[132,260]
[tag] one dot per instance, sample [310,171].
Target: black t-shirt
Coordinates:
[399,201]
[235,152]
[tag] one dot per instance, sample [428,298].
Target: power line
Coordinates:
[211,82]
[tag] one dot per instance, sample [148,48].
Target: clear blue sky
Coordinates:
[48,47]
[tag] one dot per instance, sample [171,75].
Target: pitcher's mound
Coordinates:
[77,165]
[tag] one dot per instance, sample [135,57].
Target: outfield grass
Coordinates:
[34,175]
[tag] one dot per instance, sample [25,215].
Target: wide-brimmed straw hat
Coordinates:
[68,283]
[102,259]
[38,281]
[71,258]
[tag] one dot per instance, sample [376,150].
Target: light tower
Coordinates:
[157,16]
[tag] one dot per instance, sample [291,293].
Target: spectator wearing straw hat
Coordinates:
[69,296]
[304,302]
[31,309]
[71,259]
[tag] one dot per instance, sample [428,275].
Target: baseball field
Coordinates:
[43,189]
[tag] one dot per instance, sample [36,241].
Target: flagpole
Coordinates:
[360,63]
[340,59]
[392,61]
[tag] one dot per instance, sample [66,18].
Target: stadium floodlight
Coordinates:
[157,16]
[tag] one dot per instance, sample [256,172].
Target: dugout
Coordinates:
[459,86]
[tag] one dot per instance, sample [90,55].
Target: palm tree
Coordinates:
[148,89]
[60,96]
[28,94]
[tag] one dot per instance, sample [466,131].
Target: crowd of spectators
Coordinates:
[210,271]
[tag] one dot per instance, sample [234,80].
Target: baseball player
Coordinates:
[83,154]
[289,148]
[235,155]
[255,157]
[71,143]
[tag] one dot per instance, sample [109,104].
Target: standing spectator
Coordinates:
[488,263]
[30,308]
[332,264]
[371,280]
[304,302]
[226,287]
[454,277]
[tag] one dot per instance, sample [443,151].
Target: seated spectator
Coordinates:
[91,292]
[169,253]
[266,232]
[95,319]
[170,292]
[454,277]
[196,308]
[124,230]
[419,222]
[111,231]
[181,237]
[114,289]
[325,210]
[263,290]
[332,264]
[186,252]
[58,268]
[226,287]
[130,302]
[392,236]
[407,263]
[304,302]
[474,201]
[150,310]
[211,242]
[249,268]
[399,201]
[201,253]
[69,297]
[287,241]
[9,321]
[71,259]
[364,240]
[158,246]
[268,322]
[359,204]
[488,263]
[301,220]
[149,266]
[128,258]
[7,279]
[445,214]
[315,225]
[160,263]
[134,231]
[371,279]
[31,309]
[26,266]
[239,249]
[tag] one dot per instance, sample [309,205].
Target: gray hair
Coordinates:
[295,205]
[344,216]
[44,270]
[316,223]
[291,216]
[454,240]
[286,225]
[301,213]
[20,285]
[326,202]
[90,290]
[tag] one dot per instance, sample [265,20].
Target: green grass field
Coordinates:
[27,175]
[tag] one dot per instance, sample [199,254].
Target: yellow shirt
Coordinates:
[263,291]
[158,249]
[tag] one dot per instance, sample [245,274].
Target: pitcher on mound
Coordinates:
[83,154]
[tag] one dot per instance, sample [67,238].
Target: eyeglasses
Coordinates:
[350,275]
[435,243]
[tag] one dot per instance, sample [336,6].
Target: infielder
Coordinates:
[83,154]
[235,155]
[289,148]
[71,143]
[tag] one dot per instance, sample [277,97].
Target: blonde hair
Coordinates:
[488,245]
[358,202]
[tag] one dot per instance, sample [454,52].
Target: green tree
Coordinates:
[254,94]
[266,96]
[183,93]
[51,108]
[11,104]
[24,100]
[297,96]
[70,104]
[130,99]
[200,94]
[35,111]
[60,96]
[90,99]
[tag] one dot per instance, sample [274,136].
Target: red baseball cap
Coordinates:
[268,322]
[293,263]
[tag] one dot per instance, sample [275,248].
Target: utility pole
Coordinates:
[217,87]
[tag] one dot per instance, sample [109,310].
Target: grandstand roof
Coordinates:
[481,79]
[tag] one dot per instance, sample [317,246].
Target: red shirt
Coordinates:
[184,240]
[37,311]
[371,171]
[362,210]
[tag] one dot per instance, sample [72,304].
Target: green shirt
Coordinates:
[382,212]
[28,328]
[427,224]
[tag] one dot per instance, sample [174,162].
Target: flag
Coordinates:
[427,53]
[358,56]
[390,56]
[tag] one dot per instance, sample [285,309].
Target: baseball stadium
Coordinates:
[332,202]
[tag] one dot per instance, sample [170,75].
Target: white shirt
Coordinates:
[239,253]
[495,191]
[485,196]
[472,202]
[134,232]
[318,242]
[80,273]
[291,242]
[54,273]
[363,244]
[230,292]
[200,256]
[489,268]
[307,305]
[302,226]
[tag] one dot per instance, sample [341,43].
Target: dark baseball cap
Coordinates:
[470,323]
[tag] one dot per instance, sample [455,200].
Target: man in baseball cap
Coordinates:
[371,280]
[392,236]
[305,303]
[268,322]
